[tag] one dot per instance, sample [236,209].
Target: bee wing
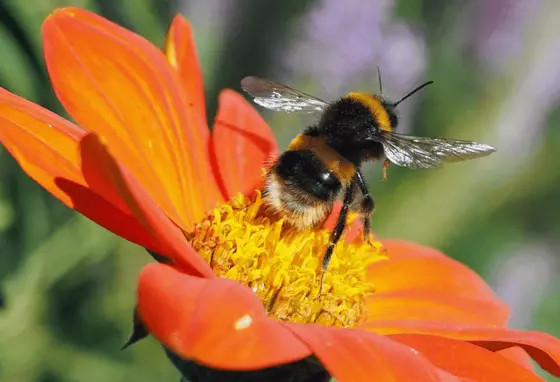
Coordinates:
[274,96]
[423,152]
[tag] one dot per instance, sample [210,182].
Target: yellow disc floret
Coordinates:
[243,242]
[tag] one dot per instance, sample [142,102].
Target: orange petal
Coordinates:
[432,284]
[118,85]
[354,231]
[47,148]
[430,305]
[180,51]
[444,376]
[330,222]
[519,356]
[542,347]
[466,360]
[354,355]
[216,322]
[169,236]
[242,145]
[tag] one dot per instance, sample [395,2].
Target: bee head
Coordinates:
[391,109]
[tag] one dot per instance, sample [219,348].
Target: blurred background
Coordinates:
[67,287]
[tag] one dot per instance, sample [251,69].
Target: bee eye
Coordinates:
[394,119]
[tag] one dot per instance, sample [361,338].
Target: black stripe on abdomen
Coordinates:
[302,170]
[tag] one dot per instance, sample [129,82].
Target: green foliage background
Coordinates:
[67,287]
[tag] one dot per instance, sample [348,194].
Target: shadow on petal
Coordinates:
[90,204]
[242,145]
[46,146]
[170,238]
[543,348]
[305,370]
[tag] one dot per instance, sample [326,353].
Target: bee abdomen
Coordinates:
[301,188]
[302,170]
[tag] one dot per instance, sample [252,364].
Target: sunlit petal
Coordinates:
[430,305]
[180,51]
[47,148]
[118,85]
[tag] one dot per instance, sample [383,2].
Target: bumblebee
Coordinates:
[322,164]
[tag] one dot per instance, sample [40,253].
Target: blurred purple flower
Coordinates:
[535,70]
[342,43]
[500,28]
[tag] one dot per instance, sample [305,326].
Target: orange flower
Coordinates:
[146,167]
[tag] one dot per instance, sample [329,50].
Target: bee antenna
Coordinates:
[380,83]
[414,91]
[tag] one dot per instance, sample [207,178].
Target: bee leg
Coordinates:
[367,205]
[385,166]
[338,230]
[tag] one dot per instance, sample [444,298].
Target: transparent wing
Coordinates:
[423,152]
[274,96]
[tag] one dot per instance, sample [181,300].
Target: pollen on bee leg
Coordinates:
[242,240]
[385,167]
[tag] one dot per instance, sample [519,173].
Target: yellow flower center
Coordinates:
[243,242]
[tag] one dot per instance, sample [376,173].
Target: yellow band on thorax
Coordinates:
[375,106]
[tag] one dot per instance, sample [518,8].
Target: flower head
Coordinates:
[242,242]
[237,290]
